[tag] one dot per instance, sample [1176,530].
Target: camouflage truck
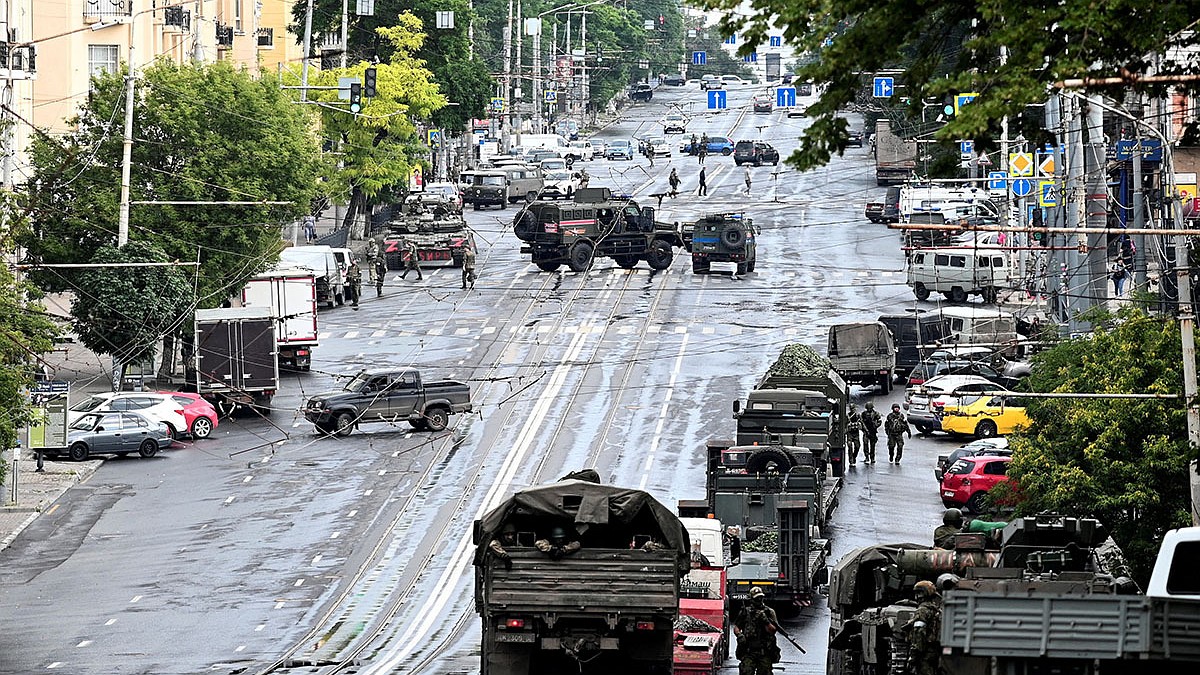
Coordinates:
[595,224]
[722,238]
[440,233]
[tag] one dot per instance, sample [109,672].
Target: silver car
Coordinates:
[924,403]
[114,433]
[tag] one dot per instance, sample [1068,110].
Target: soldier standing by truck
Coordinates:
[354,279]
[870,429]
[755,630]
[896,426]
[924,631]
[853,429]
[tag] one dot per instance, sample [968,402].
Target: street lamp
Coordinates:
[533,27]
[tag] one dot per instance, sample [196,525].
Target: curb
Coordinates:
[50,496]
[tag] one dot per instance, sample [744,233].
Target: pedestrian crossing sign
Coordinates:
[1047,195]
[551,97]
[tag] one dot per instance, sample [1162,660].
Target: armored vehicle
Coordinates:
[489,187]
[722,238]
[595,224]
[439,232]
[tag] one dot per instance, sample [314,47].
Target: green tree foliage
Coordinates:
[447,53]
[202,132]
[1045,42]
[381,144]
[1124,461]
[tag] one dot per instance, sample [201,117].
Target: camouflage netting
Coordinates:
[799,360]
[690,624]
[767,542]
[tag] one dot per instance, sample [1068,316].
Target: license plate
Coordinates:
[947,493]
[516,637]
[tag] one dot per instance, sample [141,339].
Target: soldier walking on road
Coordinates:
[380,273]
[372,255]
[755,629]
[924,631]
[354,278]
[674,182]
[870,430]
[410,260]
[702,151]
[747,169]
[468,267]
[703,191]
[853,431]
[896,426]
[952,522]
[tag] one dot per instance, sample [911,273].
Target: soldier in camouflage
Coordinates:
[896,426]
[854,427]
[924,631]
[952,522]
[755,629]
[870,431]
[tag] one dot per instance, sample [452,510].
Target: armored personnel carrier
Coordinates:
[439,231]
[595,224]
[722,238]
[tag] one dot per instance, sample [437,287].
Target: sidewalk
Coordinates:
[37,492]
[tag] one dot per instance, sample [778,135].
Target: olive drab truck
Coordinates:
[595,224]
[722,238]
[895,157]
[609,607]
[863,353]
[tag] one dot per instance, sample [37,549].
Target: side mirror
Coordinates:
[737,406]
[99,428]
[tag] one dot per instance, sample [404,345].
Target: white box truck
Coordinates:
[291,295]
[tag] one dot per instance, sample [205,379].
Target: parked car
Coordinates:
[582,150]
[937,366]
[968,481]
[156,407]
[716,145]
[619,150]
[711,82]
[673,80]
[985,416]
[924,403]
[114,433]
[856,139]
[674,123]
[754,152]
[797,110]
[642,92]
[444,193]
[733,80]
[554,164]
[200,415]
[994,447]
[658,147]
[763,104]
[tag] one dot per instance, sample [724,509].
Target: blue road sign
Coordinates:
[883,87]
[731,40]
[776,41]
[966,149]
[1022,187]
[551,97]
[699,58]
[785,97]
[996,180]
[716,100]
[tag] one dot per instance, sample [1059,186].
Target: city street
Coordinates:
[269,542]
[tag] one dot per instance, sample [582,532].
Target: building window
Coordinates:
[102,59]
[266,37]
[237,15]
[105,9]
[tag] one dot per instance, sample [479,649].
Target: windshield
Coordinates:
[357,383]
[85,423]
[558,175]
[89,404]
[619,144]
[489,180]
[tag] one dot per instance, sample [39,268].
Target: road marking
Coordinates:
[230,499]
[351,335]
[299,582]
[84,643]
[279,605]
[56,664]
[259,627]
[316,559]
[110,622]
[135,599]
[335,535]
[352,513]
[240,648]
[379,333]
[367,493]
[662,414]
[247,479]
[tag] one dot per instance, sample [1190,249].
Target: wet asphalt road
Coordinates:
[218,555]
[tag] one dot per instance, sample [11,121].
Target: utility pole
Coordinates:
[1053,279]
[1096,204]
[1074,282]
[520,70]
[1139,216]
[127,144]
[506,80]
[345,30]
[538,96]
[307,47]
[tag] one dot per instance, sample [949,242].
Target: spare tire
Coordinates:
[734,236]
[525,225]
[760,461]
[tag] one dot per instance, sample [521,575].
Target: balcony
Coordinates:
[266,38]
[18,62]
[107,11]
[177,17]
[224,36]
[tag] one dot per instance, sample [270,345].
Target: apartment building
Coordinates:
[18,68]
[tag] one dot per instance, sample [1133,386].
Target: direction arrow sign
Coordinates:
[996,180]
[785,97]
[1047,196]
[699,58]
[716,100]
[883,87]
[1022,187]
[1021,163]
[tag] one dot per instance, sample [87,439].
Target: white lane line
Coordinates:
[135,599]
[240,648]
[230,499]
[662,413]
[110,622]
[335,535]
[84,643]
[247,479]
[379,333]
[316,559]
[351,335]
[259,627]
[299,582]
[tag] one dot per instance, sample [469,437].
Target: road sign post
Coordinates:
[882,87]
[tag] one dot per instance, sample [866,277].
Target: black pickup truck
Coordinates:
[386,395]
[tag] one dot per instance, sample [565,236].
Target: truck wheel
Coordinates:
[148,449]
[344,424]
[699,267]
[977,502]
[626,261]
[660,255]
[437,418]
[78,452]
[957,294]
[742,268]
[761,460]
[920,290]
[734,236]
[579,257]
[548,265]
[985,429]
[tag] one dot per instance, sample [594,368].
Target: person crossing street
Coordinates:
[896,426]
[673,180]
[411,263]
[703,191]
[468,267]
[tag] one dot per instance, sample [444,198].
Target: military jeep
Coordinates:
[722,238]
[595,224]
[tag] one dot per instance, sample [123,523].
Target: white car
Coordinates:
[674,123]
[559,184]
[582,150]
[553,164]
[659,146]
[733,80]
[445,192]
[155,407]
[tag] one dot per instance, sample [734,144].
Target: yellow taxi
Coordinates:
[985,416]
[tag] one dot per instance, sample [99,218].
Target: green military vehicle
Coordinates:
[595,224]
[722,238]
[434,225]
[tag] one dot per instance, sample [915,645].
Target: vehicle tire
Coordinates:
[923,429]
[660,255]
[436,418]
[172,431]
[727,151]
[700,267]
[531,196]
[978,502]
[742,268]
[147,449]
[760,460]
[990,295]
[325,428]
[525,225]
[547,265]
[419,424]
[344,424]
[580,255]
[957,294]
[734,236]
[503,204]
[921,291]
[626,261]
[775,162]
[885,384]
[985,429]
[202,427]
[736,163]
[78,452]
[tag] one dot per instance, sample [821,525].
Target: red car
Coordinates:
[969,479]
[200,415]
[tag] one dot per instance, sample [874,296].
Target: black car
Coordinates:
[763,104]
[673,80]
[754,152]
[642,92]
[856,139]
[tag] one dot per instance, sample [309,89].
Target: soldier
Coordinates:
[870,431]
[674,181]
[508,537]
[896,426]
[695,146]
[853,434]
[410,262]
[380,273]
[755,629]
[703,191]
[372,256]
[952,522]
[702,152]
[468,267]
[583,178]
[924,631]
[747,171]
[354,278]
[556,545]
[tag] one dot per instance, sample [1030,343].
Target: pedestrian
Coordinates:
[870,432]
[702,151]
[372,255]
[755,629]
[468,267]
[896,426]
[583,178]
[411,263]
[354,278]
[1118,273]
[499,547]
[695,146]
[952,522]
[924,631]
[310,228]
[703,191]
[380,273]
[853,433]
[747,170]
[674,182]
[650,154]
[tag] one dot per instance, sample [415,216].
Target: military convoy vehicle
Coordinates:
[438,230]
[722,238]
[863,353]
[595,224]
[608,607]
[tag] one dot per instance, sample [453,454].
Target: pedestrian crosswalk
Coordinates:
[586,328]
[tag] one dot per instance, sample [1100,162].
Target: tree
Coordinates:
[1044,42]
[1122,461]
[203,132]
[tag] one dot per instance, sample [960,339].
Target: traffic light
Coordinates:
[369,83]
[355,97]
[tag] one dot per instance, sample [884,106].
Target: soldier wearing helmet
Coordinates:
[557,544]
[924,631]
[952,522]
[755,629]
[853,433]
[871,422]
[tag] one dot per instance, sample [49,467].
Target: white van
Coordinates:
[958,272]
[981,326]
[541,141]
[323,262]
[952,200]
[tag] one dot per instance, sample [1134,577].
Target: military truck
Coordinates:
[607,608]
[440,233]
[722,238]
[895,157]
[863,353]
[595,224]
[1049,596]
[385,395]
